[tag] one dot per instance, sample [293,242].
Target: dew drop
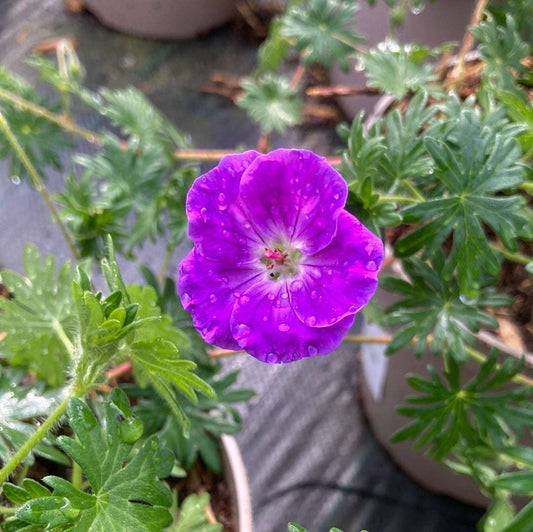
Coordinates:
[186,299]
[213,298]
[225,280]
[311,321]
[274,210]
[244,300]
[284,327]
[219,251]
[271,296]
[210,273]
[336,196]
[189,207]
[203,214]
[225,233]
[284,295]
[15,179]
[313,294]
[329,271]
[311,350]
[242,331]
[222,197]
[236,295]
[272,358]
[372,266]
[265,318]
[296,285]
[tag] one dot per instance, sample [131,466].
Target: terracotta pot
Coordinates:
[439,22]
[238,484]
[163,19]
[384,387]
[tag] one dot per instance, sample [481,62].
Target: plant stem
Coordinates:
[413,190]
[339,90]
[60,120]
[34,439]
[7,509]
[298,75]
[456,74]
[38,183]
[398,199]
[165,264]
[515,257]
[363,339]
[481,358]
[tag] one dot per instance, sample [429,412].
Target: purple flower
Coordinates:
[278,268]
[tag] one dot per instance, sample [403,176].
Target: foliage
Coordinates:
[37,318]
[271,102]
[432,309]
[22,405]
[192,516]
[125,487]
[318,30]
[40,138]
[448,414]
[293,527]
[398,69]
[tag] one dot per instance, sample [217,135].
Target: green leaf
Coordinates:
[209,419]
[521,482]
[271,102]
[502,48]
[125,488]
[22,407]
[471,172]
[523,522]
[39,317]
[499,514]
[431,303]
[41,139]
[398,69]
[318,29]
[484,412]
[193,516]
[521,112]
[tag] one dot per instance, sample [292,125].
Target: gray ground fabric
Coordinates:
[309,453]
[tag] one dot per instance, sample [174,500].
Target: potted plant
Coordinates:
[107,392]
[445,177]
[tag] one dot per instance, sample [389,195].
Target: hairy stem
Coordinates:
[62,121]
[38,183]
[34,439]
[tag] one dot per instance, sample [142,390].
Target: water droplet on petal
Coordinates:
[203,214]
[329,271]
[311,321]
[225,233]
[272,358]
[213,298]
[244,300]
[296,285]
[274,210]
[284,295]
[284,327]
[225,280]
[271,296]
[189,207]
[313,294]
[372,266]
[311,350]
[186,299]
[242,331]
[265,318]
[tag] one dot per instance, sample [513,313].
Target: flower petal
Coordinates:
[265,326]
[294,196]
[341,278]
[217,224]
[208,290]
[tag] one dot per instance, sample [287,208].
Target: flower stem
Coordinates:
[515,257]
[339,90]
[164,266]
[34,439]
[413,190]
[363,339]
[38,183]
[7,509]
[298,75]
[77,474]
[66,123]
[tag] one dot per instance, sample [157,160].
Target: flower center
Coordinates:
[281,263]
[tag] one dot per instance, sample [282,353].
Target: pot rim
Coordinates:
[238,483]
